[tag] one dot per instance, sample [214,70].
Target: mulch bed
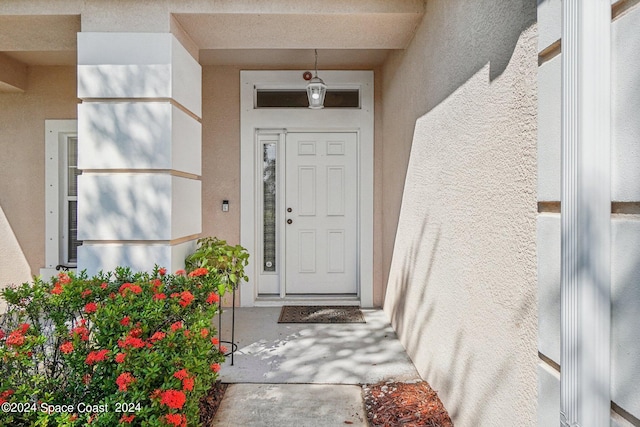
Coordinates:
[387,404]
[404,404]
[210,403]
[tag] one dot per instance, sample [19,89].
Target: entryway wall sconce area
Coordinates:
[316,89]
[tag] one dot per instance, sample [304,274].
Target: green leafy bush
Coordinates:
[228,261]
[116,349]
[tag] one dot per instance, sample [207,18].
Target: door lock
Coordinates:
[289,221]
[289,209]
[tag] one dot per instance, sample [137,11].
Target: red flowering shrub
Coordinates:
[110,339]
[66,347]
[199,272]
[173,399]
[177,420]
[213,298]
[123,380]
[90,308]
[96,356]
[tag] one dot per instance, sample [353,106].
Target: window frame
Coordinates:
[57,133]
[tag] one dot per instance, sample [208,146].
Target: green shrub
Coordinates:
[118,349]
[228,261]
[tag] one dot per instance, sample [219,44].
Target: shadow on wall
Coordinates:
[124,135]
[625,323]
[14,268]
[462,277]
[124,81]
[461,364]
[470,36]
[124,207]
[455,40]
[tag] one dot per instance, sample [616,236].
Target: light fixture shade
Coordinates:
[316,90]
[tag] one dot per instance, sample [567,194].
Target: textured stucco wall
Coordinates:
[460,106]
[221,152]
[51,94]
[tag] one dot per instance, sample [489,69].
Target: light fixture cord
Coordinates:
[316,66]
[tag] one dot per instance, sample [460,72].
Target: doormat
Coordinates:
[320,314]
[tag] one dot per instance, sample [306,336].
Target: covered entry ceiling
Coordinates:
[249,34]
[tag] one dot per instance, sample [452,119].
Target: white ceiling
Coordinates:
[344,40]
[295,58]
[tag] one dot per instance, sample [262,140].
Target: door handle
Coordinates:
[289,221]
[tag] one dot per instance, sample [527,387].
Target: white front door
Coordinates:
[321,201]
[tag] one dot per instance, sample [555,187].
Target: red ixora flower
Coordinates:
[125,321]
[223,349]
[136,289]
[202,271]
[187,381]
[91,307]
[64,278]
[16,338]
[131,342]
[213,297]
[173,398]
[215,341]
[5,395]
[157,336]
[120,357]
[159,296]
[57,289]
[103,286]
[185,298]
[127,419]
[187,384]
[66,347]
[162,271]
[215,367]
[174,327]
[82,331]
[204,332]
[178,420]
[2,334]
[180,272]
[96,356]
[123,380]
[86,293]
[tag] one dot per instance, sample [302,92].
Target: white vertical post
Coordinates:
[586,207]
[140,150]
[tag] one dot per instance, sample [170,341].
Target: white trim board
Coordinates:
[54,131]
[360,120]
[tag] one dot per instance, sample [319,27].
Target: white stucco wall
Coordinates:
[460,105]
[142,102]
[625,193]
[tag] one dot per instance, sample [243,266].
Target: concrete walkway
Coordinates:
[306,374]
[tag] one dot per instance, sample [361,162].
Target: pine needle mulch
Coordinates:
[404,404]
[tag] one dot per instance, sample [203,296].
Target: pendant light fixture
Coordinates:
[316,89]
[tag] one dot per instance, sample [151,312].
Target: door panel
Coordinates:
[321,229]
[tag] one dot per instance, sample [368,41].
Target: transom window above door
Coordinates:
[297,98]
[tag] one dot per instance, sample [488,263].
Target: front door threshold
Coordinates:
[276,301]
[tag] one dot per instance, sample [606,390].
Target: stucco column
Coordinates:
[139,130]
[585,214]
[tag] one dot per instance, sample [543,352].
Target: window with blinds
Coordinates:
[69,195]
